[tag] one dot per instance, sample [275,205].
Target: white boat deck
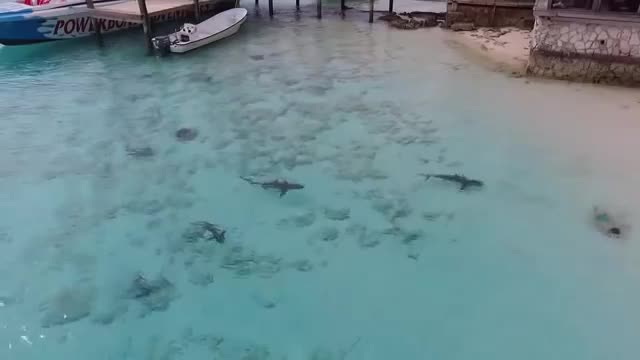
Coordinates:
[130,10]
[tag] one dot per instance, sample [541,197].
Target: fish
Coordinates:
[282,185]
[464,181]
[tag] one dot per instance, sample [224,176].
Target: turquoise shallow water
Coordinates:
[368,261]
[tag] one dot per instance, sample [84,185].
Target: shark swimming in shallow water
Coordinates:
[460,179]
[282,185]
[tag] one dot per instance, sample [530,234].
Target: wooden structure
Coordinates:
[491,13]
[371,11]
[343,7]
[142,11]
[94,23]
[131,11]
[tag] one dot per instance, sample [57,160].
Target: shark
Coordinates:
[281,185]
[462,180]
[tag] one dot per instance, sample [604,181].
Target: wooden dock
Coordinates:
[145,12]
[130,10]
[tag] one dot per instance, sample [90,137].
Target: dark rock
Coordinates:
[463,26]
[155,295]
[411,236]
[369,240]
[337,214]
[302,265]
[68,306]
[186,134]
[389,17]
[300,220]
[202,230]
[265,301]
[141,287]
[201,278]
[106,317]
[245,263]
[408,21]
[329,234]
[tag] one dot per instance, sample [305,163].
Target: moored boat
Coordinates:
[191,36]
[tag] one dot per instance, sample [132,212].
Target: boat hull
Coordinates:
[217,28]
[26,26]
[206,41]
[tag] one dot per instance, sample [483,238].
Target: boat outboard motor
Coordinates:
[162,44]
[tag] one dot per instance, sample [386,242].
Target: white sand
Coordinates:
[504,49]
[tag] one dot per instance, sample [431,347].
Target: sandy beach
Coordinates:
[505,50]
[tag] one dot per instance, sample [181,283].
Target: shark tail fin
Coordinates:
[283,192]
[426,176]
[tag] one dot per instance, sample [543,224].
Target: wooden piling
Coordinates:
[297,5]
[196,10]
[95,23]
[371,11]
[257,3]
[271,8]
[342,7]
[319,8]
[390,6]
[146,24]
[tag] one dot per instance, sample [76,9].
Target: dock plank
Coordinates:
[130,11]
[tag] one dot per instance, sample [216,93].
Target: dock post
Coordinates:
[390,6]
[319,6]
[257,3]
[342,7]
[271,8]
[371,11]
[196,10]
[95,23]
[297,5]
[146,24]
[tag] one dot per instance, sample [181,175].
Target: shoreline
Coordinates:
[503,50]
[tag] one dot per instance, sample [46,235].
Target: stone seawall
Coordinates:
[593,52]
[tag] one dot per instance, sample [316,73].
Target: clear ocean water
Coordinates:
[99,258]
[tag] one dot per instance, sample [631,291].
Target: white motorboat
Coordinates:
[192,36]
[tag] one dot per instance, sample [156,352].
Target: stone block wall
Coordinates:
[595,52]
